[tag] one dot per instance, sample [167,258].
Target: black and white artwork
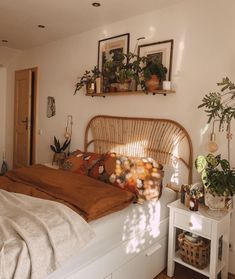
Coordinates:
[50,107]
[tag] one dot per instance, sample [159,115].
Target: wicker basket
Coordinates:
[196,254]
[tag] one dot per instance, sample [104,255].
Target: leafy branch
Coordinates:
[57,147]
[221,105]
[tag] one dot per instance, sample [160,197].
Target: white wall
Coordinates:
[204,52]
[7,56]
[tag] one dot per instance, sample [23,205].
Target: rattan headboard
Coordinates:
[162,139]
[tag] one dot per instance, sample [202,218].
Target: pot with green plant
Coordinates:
[59,151]
[218,179]
[88,79]
[128,73]
[154,72]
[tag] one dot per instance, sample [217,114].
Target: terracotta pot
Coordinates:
[213,201]
[153,83]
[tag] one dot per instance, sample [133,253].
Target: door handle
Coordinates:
[26,123]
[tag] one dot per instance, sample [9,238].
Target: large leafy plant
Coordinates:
[153,67]
[57,147]
[221,105]
[216,174]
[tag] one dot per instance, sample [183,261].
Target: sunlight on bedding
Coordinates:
[140,226]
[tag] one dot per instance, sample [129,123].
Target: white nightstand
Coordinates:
[49,165]
[205,225]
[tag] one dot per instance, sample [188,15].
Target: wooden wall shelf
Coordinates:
[130,93]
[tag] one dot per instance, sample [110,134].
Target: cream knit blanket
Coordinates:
[37,235]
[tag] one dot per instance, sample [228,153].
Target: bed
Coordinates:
[132,242]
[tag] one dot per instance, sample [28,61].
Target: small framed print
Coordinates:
[161,51]
[111,47]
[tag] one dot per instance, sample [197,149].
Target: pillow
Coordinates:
[79,162]
[142,176]
[103,167]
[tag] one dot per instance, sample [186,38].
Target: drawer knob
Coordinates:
[190,224]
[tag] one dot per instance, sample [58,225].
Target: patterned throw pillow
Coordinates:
[102,168]
[80,162]
[141,176]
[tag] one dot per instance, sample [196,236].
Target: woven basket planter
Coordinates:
[196,254]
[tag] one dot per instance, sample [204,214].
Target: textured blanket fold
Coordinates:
[37,235]
[89,197]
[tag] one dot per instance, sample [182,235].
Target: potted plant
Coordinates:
[88,79]
[153,73]
[123,70]
[218,179]
[59,151]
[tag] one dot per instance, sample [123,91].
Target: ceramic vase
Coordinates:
[213,201]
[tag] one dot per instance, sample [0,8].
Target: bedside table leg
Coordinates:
[225,254]
[214,253]
[171,248]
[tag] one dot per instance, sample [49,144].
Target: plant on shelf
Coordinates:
[59,150]
[88,79]
[124,72]
[153,73]
[128,72]
[218,179]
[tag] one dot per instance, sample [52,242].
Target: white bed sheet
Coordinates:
[133,224]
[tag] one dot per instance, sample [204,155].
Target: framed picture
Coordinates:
[112,47]
[162,51]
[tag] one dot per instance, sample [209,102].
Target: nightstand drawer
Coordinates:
[194,223]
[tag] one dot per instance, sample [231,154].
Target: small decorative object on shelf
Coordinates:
[166,85]
[185,194]
[88,79]
[190,195]
[218,179]
[193,204]
[59,151]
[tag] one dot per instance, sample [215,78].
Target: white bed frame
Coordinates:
[156,138]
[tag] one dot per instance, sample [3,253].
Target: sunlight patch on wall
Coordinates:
[180,54]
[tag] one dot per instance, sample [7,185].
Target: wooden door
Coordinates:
[22,133]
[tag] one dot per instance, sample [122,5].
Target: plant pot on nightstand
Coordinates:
[59,158]
[213,201]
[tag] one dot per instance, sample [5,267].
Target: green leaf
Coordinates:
[53,148]
[200,163]
[205,179]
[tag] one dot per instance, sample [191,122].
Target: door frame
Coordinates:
[35,111]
